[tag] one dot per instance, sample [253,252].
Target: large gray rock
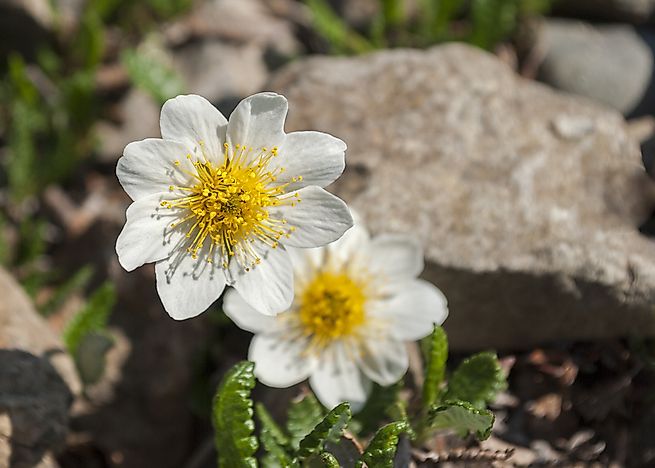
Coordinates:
[37,382]
[527,201]
[612,64]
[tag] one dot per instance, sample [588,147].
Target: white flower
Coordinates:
[357,301]
[218,202]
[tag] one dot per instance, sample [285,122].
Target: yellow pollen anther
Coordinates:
[332,306]
[226,206]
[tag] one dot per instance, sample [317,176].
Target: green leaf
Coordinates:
[90,46]
[75,283]
[477,380]
[398,412]
[303,416]
[232,418]
[90,358]
[435,18]
[393,12]
[272,438]
[462,417]
[152,75]
[329,429]
[382,449]
[435,368]
[92,318]
[323,460]
[492,21]
[341,37]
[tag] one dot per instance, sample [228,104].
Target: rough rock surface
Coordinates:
[527,201]
[37,382]
[612,64]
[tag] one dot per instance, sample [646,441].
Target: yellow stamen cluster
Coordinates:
[332,306]
[227,205]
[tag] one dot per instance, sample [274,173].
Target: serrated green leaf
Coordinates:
[382,449]
[303,416]
[435,368]
[323,460]
[329,429]
[272,438]
[91,319]
[398,412]
[232,418]
[463,418]
[477,380]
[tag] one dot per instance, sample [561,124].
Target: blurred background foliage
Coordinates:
[484,23]
[49,103]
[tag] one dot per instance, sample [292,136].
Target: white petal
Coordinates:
[258,122]
[245,316]
[318,157]
[414,310]
[187,287]
[384,361]
[352,246]
[396,256]
[146,236]
[148,166]
[319,218]
[192,119]
[336,379]
[306,261]
[279,362]
[268,286]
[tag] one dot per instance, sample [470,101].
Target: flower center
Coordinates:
[332,307]
[227,205]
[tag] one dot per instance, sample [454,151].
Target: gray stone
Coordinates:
[34,401]
[357,12]
[240,22]
[22,328]
[635,11]
[27,25]
[527,201]
[220,71]
[24,25]
[612,64]
[139,114]
[37,383]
